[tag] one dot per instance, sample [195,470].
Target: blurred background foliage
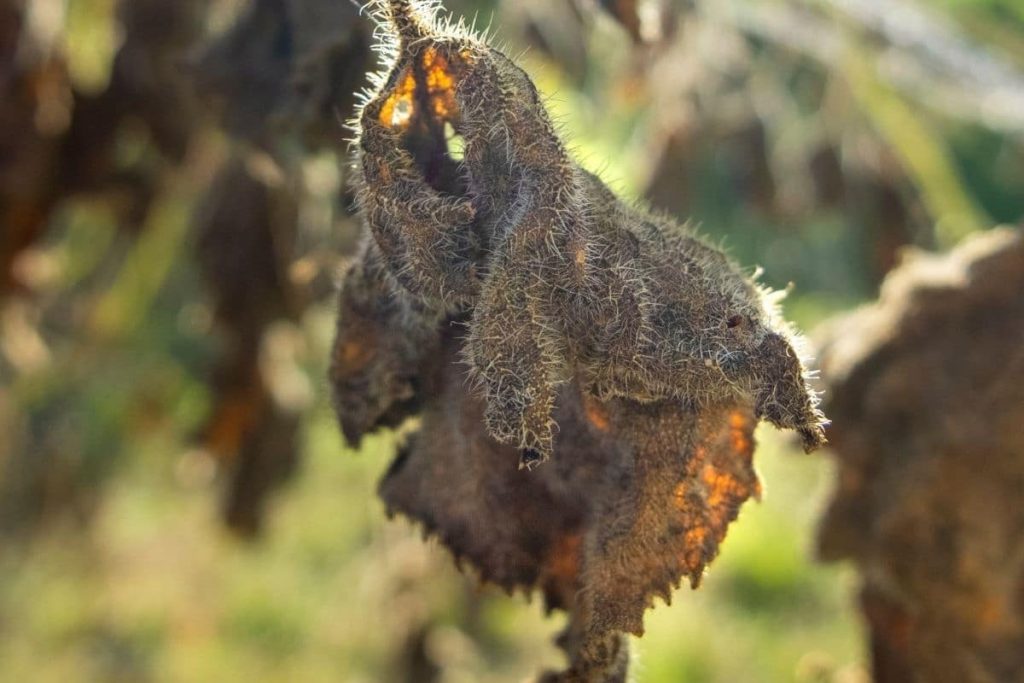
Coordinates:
[175,500]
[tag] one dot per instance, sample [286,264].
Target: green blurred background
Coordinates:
[815,139]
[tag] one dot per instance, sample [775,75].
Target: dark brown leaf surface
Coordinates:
[522,312]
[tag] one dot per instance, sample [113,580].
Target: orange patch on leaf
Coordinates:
[598,416]
[564,561]
[234,417]
[397,110]
[739,427]
[561,570]
[679,494]
[352,356]
[438,78]
[440,84]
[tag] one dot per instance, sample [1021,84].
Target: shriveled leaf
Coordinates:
[614,343]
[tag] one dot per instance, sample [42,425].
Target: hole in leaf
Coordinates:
[456,143]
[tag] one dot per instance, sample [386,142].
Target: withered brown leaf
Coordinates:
[246,232]
[928,393]
[279,78]
[619,343]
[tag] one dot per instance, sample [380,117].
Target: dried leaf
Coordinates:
[622,345]
[926,388]
[247,227]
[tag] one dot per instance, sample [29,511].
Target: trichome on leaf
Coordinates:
[615,342]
